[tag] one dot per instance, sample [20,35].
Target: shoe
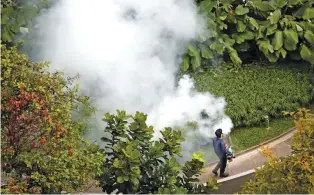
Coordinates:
[224,175]
[215,172]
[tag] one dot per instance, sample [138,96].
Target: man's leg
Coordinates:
[215,170]
[223,167]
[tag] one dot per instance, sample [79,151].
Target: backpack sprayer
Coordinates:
[230,152]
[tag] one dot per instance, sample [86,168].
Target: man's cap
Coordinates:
[218,132]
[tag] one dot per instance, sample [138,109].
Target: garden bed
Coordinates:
[247,137]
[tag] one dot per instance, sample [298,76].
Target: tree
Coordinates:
[275,29]
[293,174]
[136,164]
[42,149]
[18,17]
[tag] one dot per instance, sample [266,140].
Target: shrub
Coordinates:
[42,148]
[255,92]
[292,174]
[136,164]
[272,29]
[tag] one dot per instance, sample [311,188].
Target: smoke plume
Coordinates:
[128,54]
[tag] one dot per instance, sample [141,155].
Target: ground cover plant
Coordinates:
[257,92]
[246,137]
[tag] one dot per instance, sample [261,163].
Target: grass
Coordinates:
[246,137]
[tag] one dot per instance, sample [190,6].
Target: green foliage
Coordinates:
[279,29]
[42,149]
[137,164]
[18,16]
[246,137]
[292,174]
[254,92]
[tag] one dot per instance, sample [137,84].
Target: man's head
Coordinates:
[218,133]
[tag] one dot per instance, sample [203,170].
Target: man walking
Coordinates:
[221,151]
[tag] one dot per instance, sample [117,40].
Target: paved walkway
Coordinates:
[244,161]
[252,158]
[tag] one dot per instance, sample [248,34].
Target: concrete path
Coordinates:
[251,159]
[245,161]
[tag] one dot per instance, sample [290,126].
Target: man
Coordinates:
[221,151]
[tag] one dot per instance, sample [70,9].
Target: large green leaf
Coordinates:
[192,50]
[242,47]
[260,33]
[221,24]
[265,46]
[232,18]
[300,12]
[263,6]
[5,14]
[271,57]
[240,10]
[278,3]
[208,5]
[290,39]
[196,61]
[277,40]
[227,39]
[309,36]
[219,48]
[235,58]
[271,29]
[275,16]
[247,35]
[211,24]
[185,63]
[223,16]
[241,26]
[7,34]
[298,27]
[281,52]
[253,23]
[293,2]
[307,54]
[228,2]
[237,38]
[307,25]
[308,13]
[206,53]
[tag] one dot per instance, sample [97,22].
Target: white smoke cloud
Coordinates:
[127,53]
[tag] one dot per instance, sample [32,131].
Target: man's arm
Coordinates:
[223,147]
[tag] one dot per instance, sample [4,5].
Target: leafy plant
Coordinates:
[256,91]
[42,148]
[17,17]
[137,164]
[277,29]
[292,174]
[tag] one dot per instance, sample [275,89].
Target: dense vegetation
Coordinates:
[292,174]
[42,149]
[135,164]
[256,92]
[42,115]
[18,18]
[253,29]
[246,137]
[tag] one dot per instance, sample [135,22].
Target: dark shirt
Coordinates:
[219,147]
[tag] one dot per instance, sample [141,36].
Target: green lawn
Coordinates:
[246,137]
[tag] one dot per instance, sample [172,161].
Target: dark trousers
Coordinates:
[221,165]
